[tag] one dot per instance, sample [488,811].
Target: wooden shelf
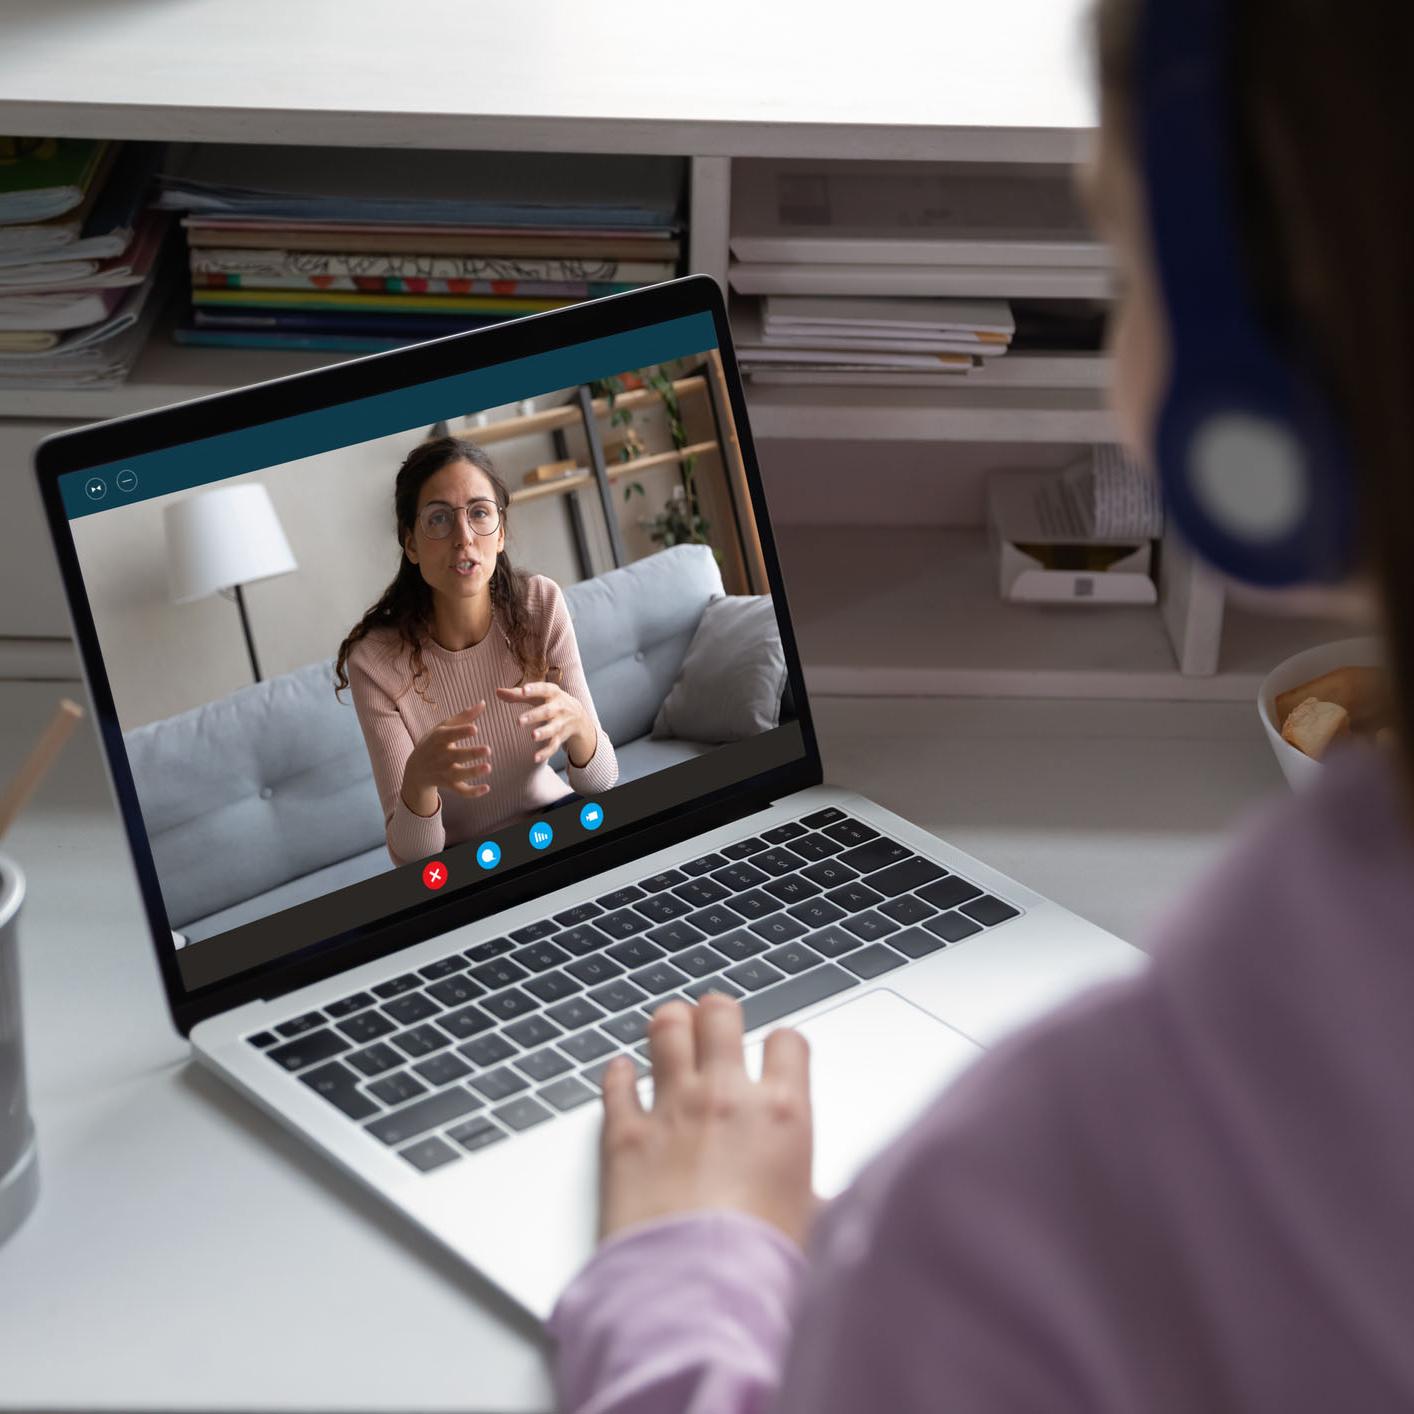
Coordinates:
[884,612]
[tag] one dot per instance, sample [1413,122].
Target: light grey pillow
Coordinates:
[733,676]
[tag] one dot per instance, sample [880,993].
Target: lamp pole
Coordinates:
[245,625]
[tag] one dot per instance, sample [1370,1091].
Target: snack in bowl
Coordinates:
[1347,701]
[1312,725]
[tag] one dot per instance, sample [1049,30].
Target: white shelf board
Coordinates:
[888,612]
[965,413]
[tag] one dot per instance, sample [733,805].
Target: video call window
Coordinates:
[433,653]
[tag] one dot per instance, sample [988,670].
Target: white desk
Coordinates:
[188,1254]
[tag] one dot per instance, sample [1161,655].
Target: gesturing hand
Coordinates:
[713,1137]
[449,758]
[556,719]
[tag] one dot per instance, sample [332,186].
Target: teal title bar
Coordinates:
[288,439]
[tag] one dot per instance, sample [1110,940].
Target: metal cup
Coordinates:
[19,1166]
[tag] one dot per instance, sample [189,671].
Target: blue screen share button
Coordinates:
[488,854]
[541,834]
[591,815]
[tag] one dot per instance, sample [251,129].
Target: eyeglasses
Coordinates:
[437,519]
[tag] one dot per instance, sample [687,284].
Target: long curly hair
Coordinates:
[406,604]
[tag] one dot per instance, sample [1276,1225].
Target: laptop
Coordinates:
[438,1025]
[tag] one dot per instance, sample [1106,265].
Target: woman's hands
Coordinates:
[446,758]
[556,719]
[713,1138]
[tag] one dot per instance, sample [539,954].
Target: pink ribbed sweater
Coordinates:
[395,717]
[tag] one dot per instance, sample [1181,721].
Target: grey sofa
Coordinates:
[264,799]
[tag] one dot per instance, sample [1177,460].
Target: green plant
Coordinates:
[681,521]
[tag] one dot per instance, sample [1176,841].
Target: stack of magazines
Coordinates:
[81,279]
[342,249]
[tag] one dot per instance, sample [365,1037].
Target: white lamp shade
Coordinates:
[221,538]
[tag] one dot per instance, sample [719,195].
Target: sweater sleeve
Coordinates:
[562,651]
[389,744]
[689,1314]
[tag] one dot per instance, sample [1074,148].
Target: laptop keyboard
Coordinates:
[466,1051]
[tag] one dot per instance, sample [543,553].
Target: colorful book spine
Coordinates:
[400,304]
[291,264]
[397,284]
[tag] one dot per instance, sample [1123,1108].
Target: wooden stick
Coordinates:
[65,719]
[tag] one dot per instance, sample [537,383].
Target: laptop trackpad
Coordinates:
[875,1063]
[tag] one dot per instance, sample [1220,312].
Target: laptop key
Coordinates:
[832,941]
[415,1006]
[476,1133]
[715,919]
[777,861]
[428,1154]
[444,967]
[309,1049]
[339,1085]
[658,882]
[484,952]
[533,932]
[396,986]
[375,1059]
[624,924]
[499,972]
[541,956]
[820,818]
[793,957]
[467,1022]
[397,1089]
[584,938]
[699,989]
[552,986]
[619,898]
[952,927]
[794,888]
[487,1050]
[364,1026]
[298,1025]
[420,1116]
[498,1084]
[739,946]
[662,908]
[580,913]
[816,847]
[586,1046]
[854,898]
[577,1012]
[658,977]
[565,1093]
[700,892]
[522,1113]
[873,960]
[636,952]
[850,831]
[907,908]
[916,942]
[909,874]
[677,934]
[346,1006]
[697,961]
[778,928]
[802,990]
[739,877]
[989,910]
[442,1069]
[598,968]
[455,991]
[653,1003]
[870,925]
[510,1004]
[420,1041]
[532,1031]
[262,1040]
[782,833]
[617,995]
[544,1064]
[949,892]
[754,974]
[830,873]
[704,865]
[816,912]
[875,855]
[595,1073]
[627,1028]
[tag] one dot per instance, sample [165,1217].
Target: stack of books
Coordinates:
[345,250]
[81,260]
[863,341]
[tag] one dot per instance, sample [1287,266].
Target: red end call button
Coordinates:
[434,874]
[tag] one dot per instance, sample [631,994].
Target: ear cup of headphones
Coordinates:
[1253,462]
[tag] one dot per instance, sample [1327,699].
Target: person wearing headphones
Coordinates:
[1193,1189]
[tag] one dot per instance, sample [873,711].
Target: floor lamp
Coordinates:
[218,541]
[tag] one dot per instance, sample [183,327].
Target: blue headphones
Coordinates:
[1253,460]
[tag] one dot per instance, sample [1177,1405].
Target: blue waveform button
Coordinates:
[541,834]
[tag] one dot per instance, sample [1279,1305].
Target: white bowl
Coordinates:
[1298,768]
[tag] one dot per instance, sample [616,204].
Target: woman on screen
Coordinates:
[465,673]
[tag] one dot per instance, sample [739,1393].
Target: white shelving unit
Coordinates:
[1004,83]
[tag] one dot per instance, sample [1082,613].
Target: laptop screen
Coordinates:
[381,653]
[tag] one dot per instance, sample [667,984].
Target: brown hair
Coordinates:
[406,604]
[1321,150]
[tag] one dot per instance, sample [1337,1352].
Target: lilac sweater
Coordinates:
[1191,1191]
